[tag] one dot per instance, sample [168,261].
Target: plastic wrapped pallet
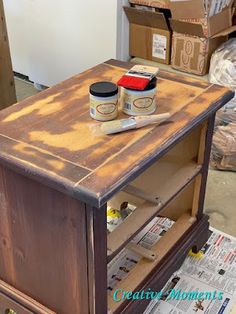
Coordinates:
[223,72]
[223,65]
[224,141]
[223,155]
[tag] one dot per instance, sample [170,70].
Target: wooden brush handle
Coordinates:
[146,120]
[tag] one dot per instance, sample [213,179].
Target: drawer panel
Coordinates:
[8,306]
[13,301]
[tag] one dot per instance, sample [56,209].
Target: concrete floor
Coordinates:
[24,89]
[220,202]
[221,188]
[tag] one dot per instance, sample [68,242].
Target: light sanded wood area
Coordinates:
[181,155]
[7,85]
[51,134]
[181,204]
[138,249]
[144,267]
[143,213]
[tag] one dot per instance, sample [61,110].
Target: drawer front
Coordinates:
[13,301]
[8,306]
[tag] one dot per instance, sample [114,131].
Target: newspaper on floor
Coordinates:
[212,270]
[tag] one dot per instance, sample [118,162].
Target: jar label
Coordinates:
[106,108]
[103,110]
[134,105]
[143,103]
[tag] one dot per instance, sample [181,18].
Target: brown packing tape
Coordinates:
[146,18]
[187,9]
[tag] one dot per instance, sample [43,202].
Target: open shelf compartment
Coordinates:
[154,189]
[169,188]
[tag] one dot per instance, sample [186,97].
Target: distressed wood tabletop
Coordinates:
[49,137]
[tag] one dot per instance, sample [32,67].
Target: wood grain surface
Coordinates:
[43,244]
[49,137]
[12,299]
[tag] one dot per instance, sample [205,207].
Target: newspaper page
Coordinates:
[126,260]
[212,271]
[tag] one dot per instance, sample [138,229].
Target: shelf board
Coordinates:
[144,213]
[136,277]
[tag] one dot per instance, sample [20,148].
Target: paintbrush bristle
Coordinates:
[96,129]
[111,127]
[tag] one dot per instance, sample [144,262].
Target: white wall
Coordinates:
[51,40]
[16,18]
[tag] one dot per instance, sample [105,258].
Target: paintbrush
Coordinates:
[138,77]
[122,125]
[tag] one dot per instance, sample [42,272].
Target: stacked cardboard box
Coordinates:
[199,27]
[150,35]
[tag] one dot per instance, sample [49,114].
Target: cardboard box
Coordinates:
[205,27]
[192,54]
[162,4]
[197,33]
[197,9]
[150,36]
[198,18]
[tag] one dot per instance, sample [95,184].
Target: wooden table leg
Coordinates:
[97,259]
[203,158]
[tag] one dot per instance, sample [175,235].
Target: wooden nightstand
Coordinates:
[56,179]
